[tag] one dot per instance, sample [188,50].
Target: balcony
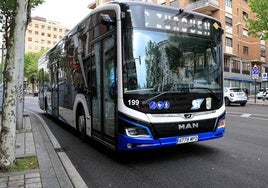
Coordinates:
[203,6]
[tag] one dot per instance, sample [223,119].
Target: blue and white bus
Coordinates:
[135,76]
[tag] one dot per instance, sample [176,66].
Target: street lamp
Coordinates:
[230,72]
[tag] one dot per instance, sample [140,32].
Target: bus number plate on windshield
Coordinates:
[187,139]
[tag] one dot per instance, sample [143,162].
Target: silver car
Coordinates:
[235,95]
[260,93]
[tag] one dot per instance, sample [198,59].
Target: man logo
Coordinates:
[185,126]
[188,116]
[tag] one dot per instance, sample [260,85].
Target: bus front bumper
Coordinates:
[126,143]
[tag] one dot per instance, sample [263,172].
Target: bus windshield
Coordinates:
[159,62]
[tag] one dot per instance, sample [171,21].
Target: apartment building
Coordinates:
[241,51]
[43,34]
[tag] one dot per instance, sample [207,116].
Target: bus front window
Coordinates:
[158,62]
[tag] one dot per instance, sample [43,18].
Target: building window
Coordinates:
[245,32]
[228,3]
[48,27]
[245,50]
[262,52]
[48,35]
[245,16]
[30,39]
[36,33]
[229,42]
[54,29]
[43,27]
[228,21]
[246,68]
[36,25]
[235,64]
[30,31]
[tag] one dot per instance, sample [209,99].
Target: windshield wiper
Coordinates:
[152,98]
[211,92]
[182,90]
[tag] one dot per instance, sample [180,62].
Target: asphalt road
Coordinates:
[239,159]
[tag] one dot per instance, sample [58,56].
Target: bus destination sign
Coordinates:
[176,22]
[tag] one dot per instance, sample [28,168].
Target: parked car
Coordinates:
[260,93]
[235,95]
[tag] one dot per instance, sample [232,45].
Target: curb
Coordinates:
[71,171]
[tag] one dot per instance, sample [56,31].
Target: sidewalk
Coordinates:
[251,100]
[55,169]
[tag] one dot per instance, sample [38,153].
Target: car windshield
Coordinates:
[236,90]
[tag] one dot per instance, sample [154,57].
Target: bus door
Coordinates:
[103,87]
[55,89]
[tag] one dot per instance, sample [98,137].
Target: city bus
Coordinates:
[137,76]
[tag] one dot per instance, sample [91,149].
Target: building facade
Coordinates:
[43,34]
[242,53]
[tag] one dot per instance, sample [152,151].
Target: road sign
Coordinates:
[264,76]
[255,72]
[255,76]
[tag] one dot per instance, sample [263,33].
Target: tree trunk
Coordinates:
[12,90]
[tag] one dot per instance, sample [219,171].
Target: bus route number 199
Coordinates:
[133,102]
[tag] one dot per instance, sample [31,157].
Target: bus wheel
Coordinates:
[227,102]
[81,123]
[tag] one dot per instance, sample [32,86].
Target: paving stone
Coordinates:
[32,175]
[33,185]
[3,182]
[33,180]
[17,183]
[16,177]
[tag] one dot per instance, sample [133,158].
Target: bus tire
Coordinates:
[81,123]
[227,102]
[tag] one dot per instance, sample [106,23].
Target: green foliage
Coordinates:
[258,26]
[31,65]
[7,13]
[25,163]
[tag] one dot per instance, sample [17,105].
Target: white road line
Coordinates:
[245,115]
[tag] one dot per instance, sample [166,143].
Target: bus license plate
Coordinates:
[187,139]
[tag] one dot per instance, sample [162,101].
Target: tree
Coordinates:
[258,26]
[14,19]
[31,64]
[31,67]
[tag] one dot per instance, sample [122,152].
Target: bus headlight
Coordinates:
[137,132]
[221,124]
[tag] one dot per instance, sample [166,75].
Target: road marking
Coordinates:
[245,115]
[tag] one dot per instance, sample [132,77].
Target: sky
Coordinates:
[67,12]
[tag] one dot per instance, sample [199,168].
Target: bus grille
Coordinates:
[184,128]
